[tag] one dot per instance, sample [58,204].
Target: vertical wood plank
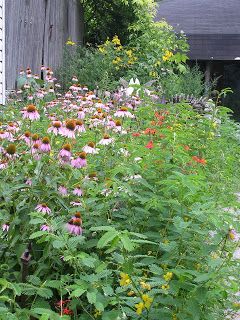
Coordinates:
[63,21]
[24,37]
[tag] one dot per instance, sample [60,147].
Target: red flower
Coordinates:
[150,131]
[149,145]
[67,311]
[199,160]
[135,134]
[187,148]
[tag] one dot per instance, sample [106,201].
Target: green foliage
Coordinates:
[158,212]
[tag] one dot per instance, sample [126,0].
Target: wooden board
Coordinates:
[36,32]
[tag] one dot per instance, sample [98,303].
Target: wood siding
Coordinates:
[2,51]
[36,32]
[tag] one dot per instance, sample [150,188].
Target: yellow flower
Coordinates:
[145,285]
[157,64]
[70,42]
[165,286]
[97,313]
[139,306]
[147,301]
[129,53]
[174,317]
[117,60]
[131,293]
[116,41]
[119,48]
[168,54]
[101,49]
[125,280]
[168,276]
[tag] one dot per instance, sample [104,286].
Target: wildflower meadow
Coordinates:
[122,207]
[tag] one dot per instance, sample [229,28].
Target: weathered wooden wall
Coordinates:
[2,52]
[36,32]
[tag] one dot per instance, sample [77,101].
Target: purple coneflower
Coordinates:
[74,225]
[3,164]
[233,235]
[90,148]
[80,126]
[45,146]
[5,227]
[78,191]
[80,161]
[55,128]
[42,207]
[28,182]
[30,112]
[65,152]
[63,190]
[81,113]
[27,137]
[69,129]
[45,227]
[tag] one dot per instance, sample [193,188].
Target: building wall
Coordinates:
[2,52]
[36,32]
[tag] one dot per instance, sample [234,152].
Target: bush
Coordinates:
[125,220]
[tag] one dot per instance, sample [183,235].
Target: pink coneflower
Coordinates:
[11,150]
[5,227]
[55,128]
[81,113]
[63,190]
[36,139]
[68,130]
[123,112]
[68,95]
[80,161]
[12,127]
[30,112]
[78,192]
[80,126]
[30,98]
[3,164]
[76,203]
[35,148]
[42,207]
[45,227]
[90,148]
[233,235]
[3,134]
[28,182]
[45,146]
[74,225]
[27,137]
[65,152]
[106,140]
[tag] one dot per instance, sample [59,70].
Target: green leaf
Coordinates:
[92,296]
[58,244]
[127,243]
[77,293]
[106,238]
[37,234]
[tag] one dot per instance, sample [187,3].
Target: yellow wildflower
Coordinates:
[165,286]
[147,301]
[70,42]
[168,276]
[145,285]
[168,54]
[119,48]
[174,317]
[131,293]
[140,307]
[101,49]
[116,41]
[125,280]
[129,53]
[97,313]
[117,60]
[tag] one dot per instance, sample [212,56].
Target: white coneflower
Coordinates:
[90,148]
[106,140]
